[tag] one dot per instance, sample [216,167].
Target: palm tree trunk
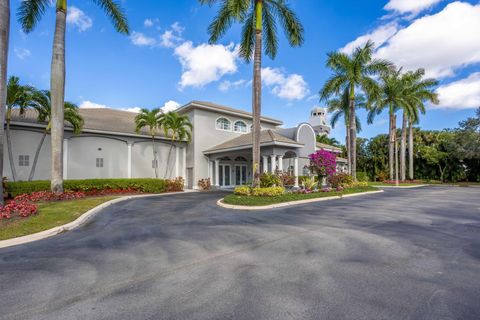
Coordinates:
[9,146]
[347,143]
[37,153]
[4,39]
[403,149]
[395,147]
[410,150]
[155,162]
[257,93]
[57,85]
[353,136]
[391,146]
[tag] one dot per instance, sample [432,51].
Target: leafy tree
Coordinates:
[178,127]
[43,106]
[152,121]
[21,97]
[259,19]
[352,73]
[29,14]
[323,138]
[4,39]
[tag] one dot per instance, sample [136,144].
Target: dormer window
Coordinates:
[240,126]
[223,124]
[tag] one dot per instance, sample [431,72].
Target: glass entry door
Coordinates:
[240,174]
[224,175]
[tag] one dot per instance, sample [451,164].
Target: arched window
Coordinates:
[223,124]
[240,126]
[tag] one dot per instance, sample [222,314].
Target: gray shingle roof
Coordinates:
[327,146]
[245,141]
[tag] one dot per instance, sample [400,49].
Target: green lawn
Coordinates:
[50,214]
[263,201]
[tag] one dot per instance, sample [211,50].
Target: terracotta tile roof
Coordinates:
[268,136]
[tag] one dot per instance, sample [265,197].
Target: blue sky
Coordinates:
[167,61]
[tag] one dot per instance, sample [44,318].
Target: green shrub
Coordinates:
[309,183]
[269,180]
[142,185]
[359,184]
[362,176]
[268,192]
[343,180]
[242,191]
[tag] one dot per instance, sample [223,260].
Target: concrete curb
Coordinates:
[77,222]
[402,187]
[291,203]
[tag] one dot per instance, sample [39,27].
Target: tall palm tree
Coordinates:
[419,91]
[4,39]
[392,97]
[29,14]
[152,120]
[340,107]
[259,19]
[43,106]
[21,97]
[352,72]
[179,128]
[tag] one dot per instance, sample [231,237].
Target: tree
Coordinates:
[179,128]
[340,108]
[29,14]
[259,19]
[323,138]
[152,120]
[43,106]
[21,97]
[352,72]
[4,39]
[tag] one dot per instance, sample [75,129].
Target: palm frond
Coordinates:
[247,44]
[291,24]
[114,10]
[30,12]
[270,38]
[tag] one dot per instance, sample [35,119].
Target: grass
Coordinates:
[50,215]
[264,201]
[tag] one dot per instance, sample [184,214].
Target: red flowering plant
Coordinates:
[323,163]
[22,209]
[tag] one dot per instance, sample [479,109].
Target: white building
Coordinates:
[221,147]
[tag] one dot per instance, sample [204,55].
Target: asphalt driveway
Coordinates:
[403,254]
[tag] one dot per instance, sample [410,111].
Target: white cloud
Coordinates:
[173,37]
[21,53]
[79,19]
[205,63]
[141,40]
[379,36]
[440,43]
[170,106]
[148,23]
[289,87]
[227,85]
[461,94]
[92,105]
[410,6]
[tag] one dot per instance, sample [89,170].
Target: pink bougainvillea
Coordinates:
[323,163]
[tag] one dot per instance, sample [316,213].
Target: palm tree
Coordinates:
[392,96]
[43,106]
[152,120]
[21,97]
[340,108]
[418,92]
[29,14]
[351,73]
[4,39]
[259,19]
[179,128]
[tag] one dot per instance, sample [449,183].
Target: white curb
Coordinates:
[78,222]
[290,203]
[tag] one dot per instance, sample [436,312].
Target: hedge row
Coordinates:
[142,185]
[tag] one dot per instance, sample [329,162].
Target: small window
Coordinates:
[24,160]
[99,162]
[240,126]
[223,124]
[154,164]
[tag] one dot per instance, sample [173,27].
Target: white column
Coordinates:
[295,171]
[129,160]
[217,173]
[274,165]
[176,162]
[265,164]
[65,159]
[280,163]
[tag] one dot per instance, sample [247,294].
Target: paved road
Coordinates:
[403,254]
